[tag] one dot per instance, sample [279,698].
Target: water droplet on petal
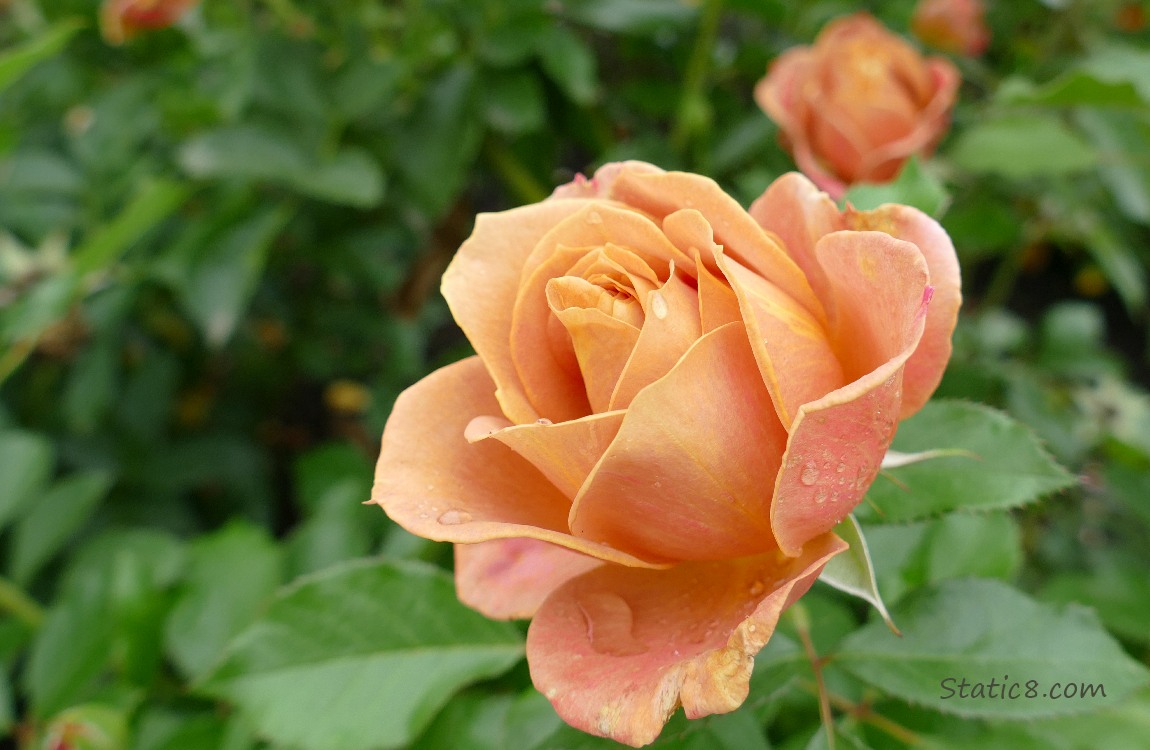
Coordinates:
[543,420]
[657,485]
[841,467]
[609,620]
[658,305]
[752,628]
[821,497]
[810,474]
[594,218]
[757,588]
[454,517]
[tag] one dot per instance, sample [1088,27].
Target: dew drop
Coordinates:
[752,628]
[757,588]
[810,474]
[609,620]
[454,517]
[657,485]
[841,467]
[425,515]
[594,218]
[821,497]
[543,420]
[658,305]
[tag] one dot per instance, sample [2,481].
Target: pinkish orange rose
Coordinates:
[673,402]
[957,26]
[120,20]
[856,105]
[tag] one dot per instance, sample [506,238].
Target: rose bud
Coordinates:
[673,403]
[120,20]
[957,26]
[857,104]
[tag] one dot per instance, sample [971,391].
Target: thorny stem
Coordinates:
[863,712]
[803,627]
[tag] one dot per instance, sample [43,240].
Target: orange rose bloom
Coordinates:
[857,104]
[120,20]
[673,402]
[957,26]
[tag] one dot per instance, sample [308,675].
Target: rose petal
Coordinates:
[925,367]
[616,651]
[779,94]
[671,327]
[800,214]
[718,304]
[688,475]
[508,579]
[934,119]
[552,384]
[791,347]
[741,237]
[599,186]
[837,442]
[493,258]
[565,452]
[602,343]
[436,485]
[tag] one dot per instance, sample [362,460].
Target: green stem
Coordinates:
[14,601]
[514,175]
[696,76]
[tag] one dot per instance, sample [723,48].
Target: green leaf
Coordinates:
[321,468]
[1073,88]
[853,571]
[978,631]
[569,61]
[846,738]
[1023,146]
[52,521]
[337,531]
[513,102]
[225,275]
[734,731]
[914,186]
[92,726]
[7,703]
[26,459]
[986,545]
[231,575]
[19,59]
[160,729]
[437,145]
[1117,258]
[352,177]
[910,556]
[360,656]
[1121,137]
[1119,592]
[647,17]
[1012,468]
[110,604]
[154,201]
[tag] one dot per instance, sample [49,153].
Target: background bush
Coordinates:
[220,247]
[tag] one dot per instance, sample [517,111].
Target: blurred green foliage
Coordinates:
[220,246]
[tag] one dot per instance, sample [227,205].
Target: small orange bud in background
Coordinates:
[120,20]
[957,26]
[859,102]
[1131,18]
